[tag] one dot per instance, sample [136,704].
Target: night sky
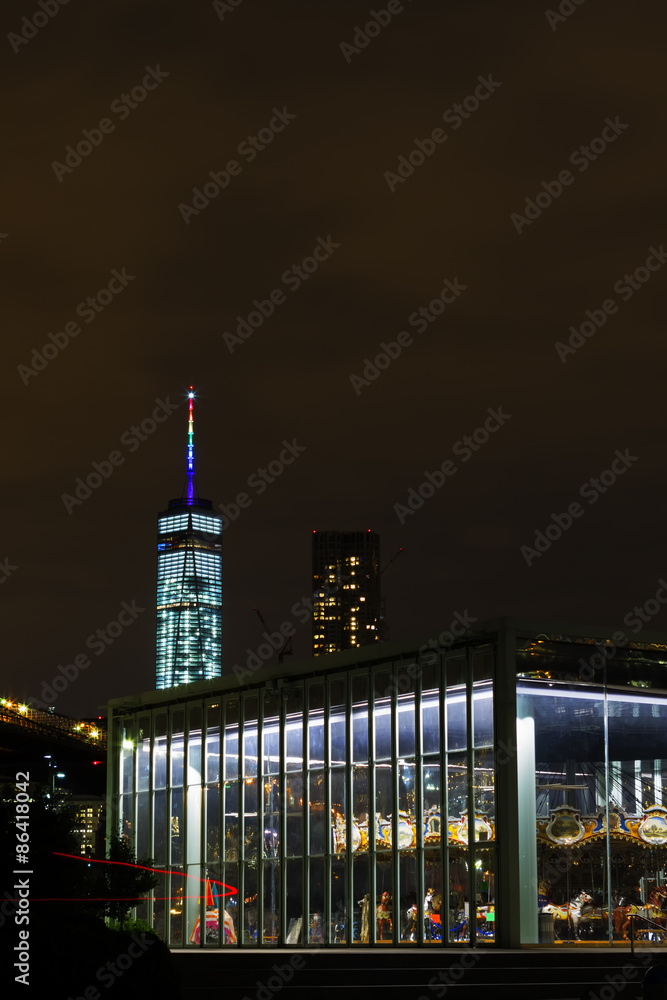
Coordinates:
[324,120]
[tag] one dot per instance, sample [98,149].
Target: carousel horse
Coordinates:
[383,914]
[579,911]
[653,910]
[432,903]
[655,906]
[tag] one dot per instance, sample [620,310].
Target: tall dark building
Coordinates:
[347,604]
[189,584]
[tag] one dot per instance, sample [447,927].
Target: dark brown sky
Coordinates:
[324,176]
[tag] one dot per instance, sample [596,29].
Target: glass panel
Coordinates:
[316,725]
[432,819]
[456,719]
[382,717]
[213,823]
[213,742]
[142,847]
[160,763]
[126,829]
[562,750]
[339,930]
[143,764]
[251,914]
[407,821]
[250,738]
[406,725]
[176,826]
[127,763]
[271,903]
[271,844]
[231,820]
[159,826]
[484,790]
[407,904]
[294,731]
[316,925]
[430,721]
[360,810]
[457,791]
[434,907]
[213,906]
[337,722]
[339,809]
[271,734]
[195,804]
[160,908]
[250,819]
[485,895]
[384,907]
[359,719]
[316,810]
[482,710]
[177,752]
[459,901]
[362,907]
[294,903]
[232,739]
[294,813]
[193,906]
[384,806]
[228,903]
[482,665]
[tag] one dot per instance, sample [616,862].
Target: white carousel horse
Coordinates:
[579,910]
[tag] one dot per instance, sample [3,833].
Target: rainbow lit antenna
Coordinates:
[190,486]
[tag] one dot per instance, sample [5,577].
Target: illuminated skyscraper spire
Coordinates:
[190,486]
[189,583]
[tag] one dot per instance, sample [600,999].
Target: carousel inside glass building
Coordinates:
[504,788]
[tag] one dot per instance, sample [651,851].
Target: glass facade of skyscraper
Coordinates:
[189,594]
[504,788]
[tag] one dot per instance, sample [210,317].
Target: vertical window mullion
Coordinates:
[470,756]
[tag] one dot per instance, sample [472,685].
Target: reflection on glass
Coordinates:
[294,814]
[176,826]
[251,820]
[232,820]
[361,906]
[456,719]
[430,722]
[359,719]
[213,823]
[271,842]
[337,723]
[294,731]
[271,734]
[316,725]
[316,812]
[294,903]
[384,907]
[231,761]
[250,748]
[316,921]
[213,742]
[383,806]
[251,905]
[271,928]
[408,902]
[339,929]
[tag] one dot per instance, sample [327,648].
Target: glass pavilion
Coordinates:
[459,790]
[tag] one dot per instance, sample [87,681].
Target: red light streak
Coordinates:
[120,899]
